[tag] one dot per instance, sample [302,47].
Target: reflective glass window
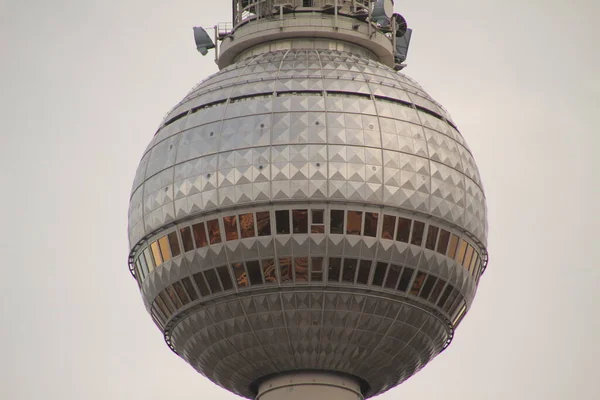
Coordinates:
[334,269]
[239,272]
[403,230]
[371,224]
[159,315]
[445,296]
[201,283]
[139,274]
[354,223]
[363,272]
[164,303]
[428,286]
[300,221]
[451,300]
[417,233]
[349,271]
[186,238]
[174,297]
[200,235]
[392,276]
[156,253]
[268,267]
[460,315]
[337,222]
[452,246]
[174,244]
[247,225]
[442,245]
[263,223]
[282,222]
[387,228]
[285,269]
[418,283]
[301,269]
[407,275]
[317,269]
[143,264]
[230,225]
[379,274]
[225,278]
[213,281]
[189,288]
[432,232]
[474,263]
[214,232]
[149,259]
[317,217]
[437,289]
[253,268]
[318,222]
[163,243]
[462,249]
[181,292]
[468,257]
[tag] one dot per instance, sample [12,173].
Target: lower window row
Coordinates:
[287,270]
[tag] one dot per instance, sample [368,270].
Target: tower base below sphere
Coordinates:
[310,385]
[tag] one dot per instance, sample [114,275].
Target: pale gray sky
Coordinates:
[84,85]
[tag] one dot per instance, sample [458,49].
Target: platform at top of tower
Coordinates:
[265,25]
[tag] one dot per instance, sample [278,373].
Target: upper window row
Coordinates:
[304,221]
[300,270]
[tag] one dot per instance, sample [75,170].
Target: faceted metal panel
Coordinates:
[290,130]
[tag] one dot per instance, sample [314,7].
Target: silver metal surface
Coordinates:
[308,134]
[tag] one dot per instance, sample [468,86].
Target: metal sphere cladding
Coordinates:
[307,209]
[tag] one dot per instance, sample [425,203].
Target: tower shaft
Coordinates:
[310,385]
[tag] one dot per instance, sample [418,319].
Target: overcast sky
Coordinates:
[84,85]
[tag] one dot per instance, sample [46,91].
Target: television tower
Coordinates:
[308,222]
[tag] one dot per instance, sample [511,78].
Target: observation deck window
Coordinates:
[442,245]
[181,292]
[336,223]
[334,269]
[407,274]
[201,283]
[174,298]
[437,289]
[403,231]
[417,233]
[453,245]
[462,249]
[174,244]
[432,232]
[225,278]
[445,296]
[214,232]
[156,253]
[316,269]
[200,235]
[230,225]
[301,269]
[318,222]
[247,225]
[285,270]
[349,271]
[371,224]
[186,238]
[149,260]
[427,288]
[363,272]
[392,276]
[379,274]
[263,223]
[300,221]
[282,222]
[387,228]
[189,288]
[239,272]
[354,223]
[163,243]
[268,268]
[213,281]
[418,283]
[254,275]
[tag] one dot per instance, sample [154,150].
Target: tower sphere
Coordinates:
[307,208]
